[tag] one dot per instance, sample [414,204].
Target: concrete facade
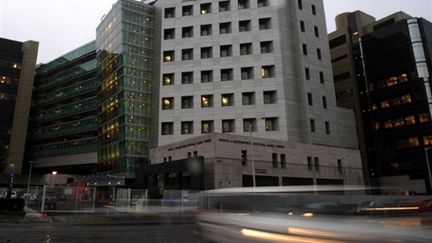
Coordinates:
[276,162]
[281,91]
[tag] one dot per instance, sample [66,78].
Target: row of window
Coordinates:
[224,51]
[401,100]
[300,6]
[316,164]
[206,8]
[313,127]
[225,75]
[323,99]
[224,28]
[228,126]
[318,51]
[248,98]
[303,28]
[402,121]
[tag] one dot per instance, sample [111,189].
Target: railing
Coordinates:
[68,92]
[68,110]
[68,147]
[67,129]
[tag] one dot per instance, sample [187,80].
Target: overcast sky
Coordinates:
[62,25]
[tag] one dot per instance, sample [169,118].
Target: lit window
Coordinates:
[388,124]
[267,71]
[423,117]
[406,99]
[413,142]
[167,103]
[427,140]
[410,120]
[227,99]
[207,101]
[205,8]
[168,79]
[385,104]
[168,56]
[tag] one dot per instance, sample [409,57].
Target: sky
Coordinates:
[63,25]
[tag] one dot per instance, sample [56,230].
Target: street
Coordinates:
[57,232]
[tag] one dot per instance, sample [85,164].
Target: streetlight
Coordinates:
[54,173]
[28,182]
[252,158]
[428,167]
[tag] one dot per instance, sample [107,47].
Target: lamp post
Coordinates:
[428,167]
[250,154]
[28,182]
[54,173]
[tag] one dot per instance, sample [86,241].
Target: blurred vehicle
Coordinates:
[327,208]
[426,206]
[367,207]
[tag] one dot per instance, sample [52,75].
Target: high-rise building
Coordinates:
[17,65]
[236,66]
[382,70]
[64,120]
[125,48]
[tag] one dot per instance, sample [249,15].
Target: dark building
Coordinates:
[17,65]
[382,70]
[64,116]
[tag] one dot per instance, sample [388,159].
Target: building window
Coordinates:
[321,77]
[307,73]
[310,98]
[264,24]
[271,124]
[327,127]
[168,103]
[300,4]
[206,52]
[205,8]
[267,71]
[339,165]
[187,54]
[167,128]
[227,99]
[248,98]
[324,102]
[244,157]
[423,117]
[316,30]
[187,102]
[224,6]
[206,76]
[270,97]
[313,9]
[247,73]
[225,51]
[169,34]
[262,3]
[226,74]
[206,29]
[305,52]
[275,160]
[187,127]
[169,13]
[168,56]
[245,49]
[319,54]
[283,161]
[249,125]
[206,127]
[302,26]
[206,101]
[228,126]
[225,28]
[168,79]
[309,162]
[187,77]
[317,165]
[266,47]
[244,25]
[195,153]
[312,125]
[187,10]
[187,32]
[189,155]
[243,4]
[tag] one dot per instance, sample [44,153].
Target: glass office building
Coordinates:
[64,120]
[125,59]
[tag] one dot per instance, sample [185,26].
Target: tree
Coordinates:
[3,157]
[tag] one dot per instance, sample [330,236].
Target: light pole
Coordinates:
[250,154]
[28,182]
[428,167]
[54,173]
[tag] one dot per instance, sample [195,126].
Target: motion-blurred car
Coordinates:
[369,207]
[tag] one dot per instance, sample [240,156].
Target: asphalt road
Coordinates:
[124,233]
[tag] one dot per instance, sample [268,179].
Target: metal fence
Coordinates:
[71,199]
